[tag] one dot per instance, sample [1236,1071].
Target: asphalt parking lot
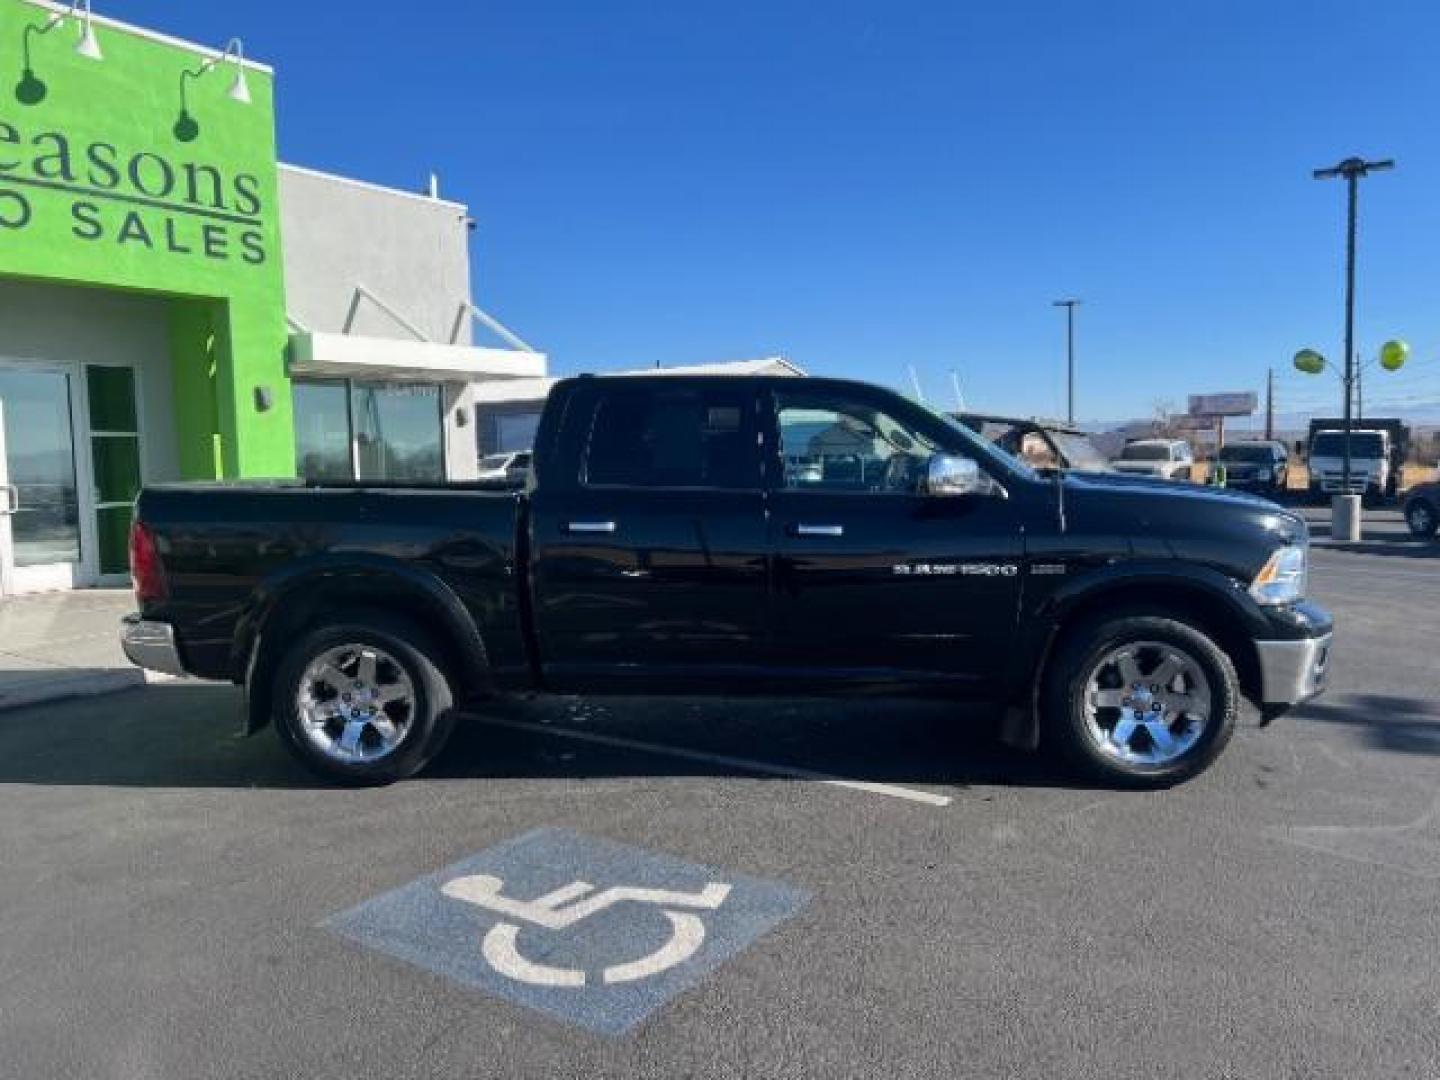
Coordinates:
[177,902]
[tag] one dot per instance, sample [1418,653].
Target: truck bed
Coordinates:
[231,549]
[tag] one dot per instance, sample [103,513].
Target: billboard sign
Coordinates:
[1242,403]
[1182,422]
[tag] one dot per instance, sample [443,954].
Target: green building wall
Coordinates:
[97,189]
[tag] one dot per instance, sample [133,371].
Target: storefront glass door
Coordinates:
[40,543]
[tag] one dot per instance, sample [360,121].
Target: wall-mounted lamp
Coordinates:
[31,90]
[187,128]
[264,399]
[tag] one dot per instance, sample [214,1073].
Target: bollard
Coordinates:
[1345,519]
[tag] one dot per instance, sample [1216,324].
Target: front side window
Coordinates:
[836,445]
[682,437]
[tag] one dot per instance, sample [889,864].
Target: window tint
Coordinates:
[1145,452]
[682,437]
[832,445]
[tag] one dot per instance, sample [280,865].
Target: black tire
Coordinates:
[1080,653]
[1422,517]
[426,714]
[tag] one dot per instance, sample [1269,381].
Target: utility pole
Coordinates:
[1359,389]
[1351,170]
[1069,304]
[1270,405]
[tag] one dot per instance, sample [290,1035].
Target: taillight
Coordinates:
[145,569]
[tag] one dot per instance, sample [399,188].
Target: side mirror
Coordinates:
[948,475]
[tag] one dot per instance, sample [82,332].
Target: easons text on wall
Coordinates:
[129,197]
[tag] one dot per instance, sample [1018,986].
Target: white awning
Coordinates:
[353,357]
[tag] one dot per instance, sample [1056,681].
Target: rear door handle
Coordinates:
[590,526]
[803,529]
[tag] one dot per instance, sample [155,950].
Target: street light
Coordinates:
[1069,304]
[1351,170]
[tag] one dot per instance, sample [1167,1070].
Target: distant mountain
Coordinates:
[1424,420]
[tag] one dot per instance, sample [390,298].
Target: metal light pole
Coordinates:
[1069,304]
[1351,169]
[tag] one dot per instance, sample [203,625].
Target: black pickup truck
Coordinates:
[713,535]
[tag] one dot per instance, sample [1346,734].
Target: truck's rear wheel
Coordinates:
[363,699]
[1422,518]
[1140,700]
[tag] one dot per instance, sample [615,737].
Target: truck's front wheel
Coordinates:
[363,699]
[1140,699]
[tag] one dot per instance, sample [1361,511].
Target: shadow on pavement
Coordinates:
[1387,722]
[185,735]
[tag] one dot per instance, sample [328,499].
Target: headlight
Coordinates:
[1282,579]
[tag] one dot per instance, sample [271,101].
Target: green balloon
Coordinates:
[1309,361]
[1393,354]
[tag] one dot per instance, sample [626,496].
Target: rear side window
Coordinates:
[681,437]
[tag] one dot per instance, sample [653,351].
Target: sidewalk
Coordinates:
[63,644]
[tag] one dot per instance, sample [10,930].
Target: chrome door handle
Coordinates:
[590,526]
[819,530]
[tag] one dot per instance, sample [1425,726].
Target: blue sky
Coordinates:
[866,186]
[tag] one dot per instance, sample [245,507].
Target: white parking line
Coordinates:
[895,791]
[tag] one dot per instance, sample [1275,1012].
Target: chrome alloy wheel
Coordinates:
[1420,518]
[355,703]
[1146,702]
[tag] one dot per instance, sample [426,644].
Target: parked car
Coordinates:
[1262,467]
[511,468]
[1168,459]
[666,543]
[1044,445]
[1422,509]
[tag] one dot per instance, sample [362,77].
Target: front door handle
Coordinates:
[819,530]
[590,526]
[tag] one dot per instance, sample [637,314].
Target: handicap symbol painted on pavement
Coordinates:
[593,932]
[499,946]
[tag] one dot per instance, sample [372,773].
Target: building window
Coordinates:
[322,431]
[351,430]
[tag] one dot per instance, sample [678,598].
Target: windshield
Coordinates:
[1145,452]
[1080,452]
[1362,444]
[1252,455]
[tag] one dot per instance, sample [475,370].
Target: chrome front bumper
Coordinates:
[1293,671]
[150,645]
